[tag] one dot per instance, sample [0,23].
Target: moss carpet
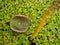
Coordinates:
[34,9]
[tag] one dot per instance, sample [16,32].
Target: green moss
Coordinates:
[50,33]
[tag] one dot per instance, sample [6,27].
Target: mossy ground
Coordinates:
[34,9]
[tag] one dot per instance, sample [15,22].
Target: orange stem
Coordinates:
[46,15]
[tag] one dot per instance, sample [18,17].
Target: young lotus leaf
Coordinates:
[20,23]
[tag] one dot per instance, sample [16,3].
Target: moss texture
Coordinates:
[34,9]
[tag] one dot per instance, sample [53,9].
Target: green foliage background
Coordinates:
[34,9]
